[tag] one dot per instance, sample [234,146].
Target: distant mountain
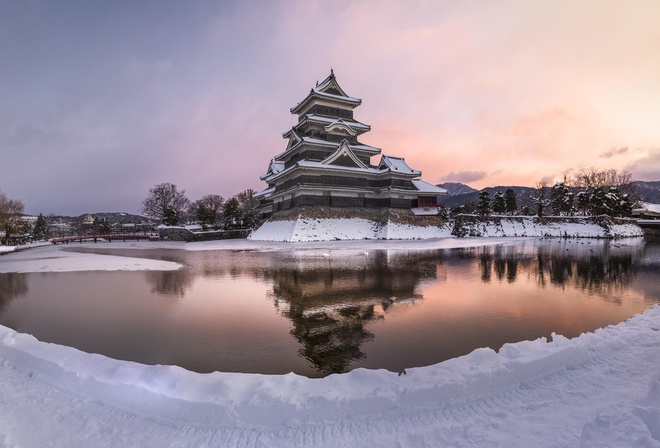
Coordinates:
[461,194]
[120,218]
[648,191]
[456,188]
[523,195]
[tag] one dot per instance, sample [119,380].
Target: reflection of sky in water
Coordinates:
[315,312]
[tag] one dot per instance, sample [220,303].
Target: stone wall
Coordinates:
[379,215]
[350,223]
[652,234]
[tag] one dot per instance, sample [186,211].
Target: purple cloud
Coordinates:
[464,176]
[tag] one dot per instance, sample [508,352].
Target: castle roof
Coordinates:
[274,168]
[320,142]
[328,89]
[397,164]
[388,165]
[331,120]
[333,137]
[426,187]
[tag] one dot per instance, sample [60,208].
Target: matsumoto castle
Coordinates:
[325,164]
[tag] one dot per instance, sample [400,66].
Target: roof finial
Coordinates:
[317,83]
[332,73]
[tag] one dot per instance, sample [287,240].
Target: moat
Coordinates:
[320,311]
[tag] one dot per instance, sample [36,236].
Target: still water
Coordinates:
[303,311]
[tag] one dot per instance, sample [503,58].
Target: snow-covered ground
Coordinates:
[555,227]
[51,258]
[6,249]
[601,389]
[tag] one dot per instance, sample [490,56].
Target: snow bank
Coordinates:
[55,259]
[7,249]
[328,229]
[531,226]
[591,390]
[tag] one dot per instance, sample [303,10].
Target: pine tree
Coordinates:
[170,216]
[625,206]
[561,199]
[510,200]
[583,201]
[499,205]
[40,230]
[232,214]
[102,225]
[613,200]
[443,214]
[483,207]
[458,210]
[204,215]
[598,202]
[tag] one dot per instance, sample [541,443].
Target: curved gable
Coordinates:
[344,156]
[340,125]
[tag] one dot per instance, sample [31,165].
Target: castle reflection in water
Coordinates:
[334,299]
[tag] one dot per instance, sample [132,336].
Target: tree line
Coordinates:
[169,205]
[166,203]
[588,192]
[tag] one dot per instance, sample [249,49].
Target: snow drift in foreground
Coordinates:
[601,389]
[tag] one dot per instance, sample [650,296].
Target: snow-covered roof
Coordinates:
[321,91]
[388,164]
[398,164]
[329,83]
[344,150]
[647,207]
[321,165]
[340,125]
[274,168]
[426,187]
[320,142]
[364,147]
[264,193]
[330,120]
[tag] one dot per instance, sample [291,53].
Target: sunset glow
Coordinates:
[101,101]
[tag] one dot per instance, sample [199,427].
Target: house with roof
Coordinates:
[646,210]
[325,163]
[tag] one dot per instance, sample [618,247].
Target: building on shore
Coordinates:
[325,164]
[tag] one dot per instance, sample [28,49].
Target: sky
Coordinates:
[100,101]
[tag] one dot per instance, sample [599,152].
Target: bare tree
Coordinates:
[166,201]
[208,210]
[11,215]
[540,198]
[590,179]
[214,203]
